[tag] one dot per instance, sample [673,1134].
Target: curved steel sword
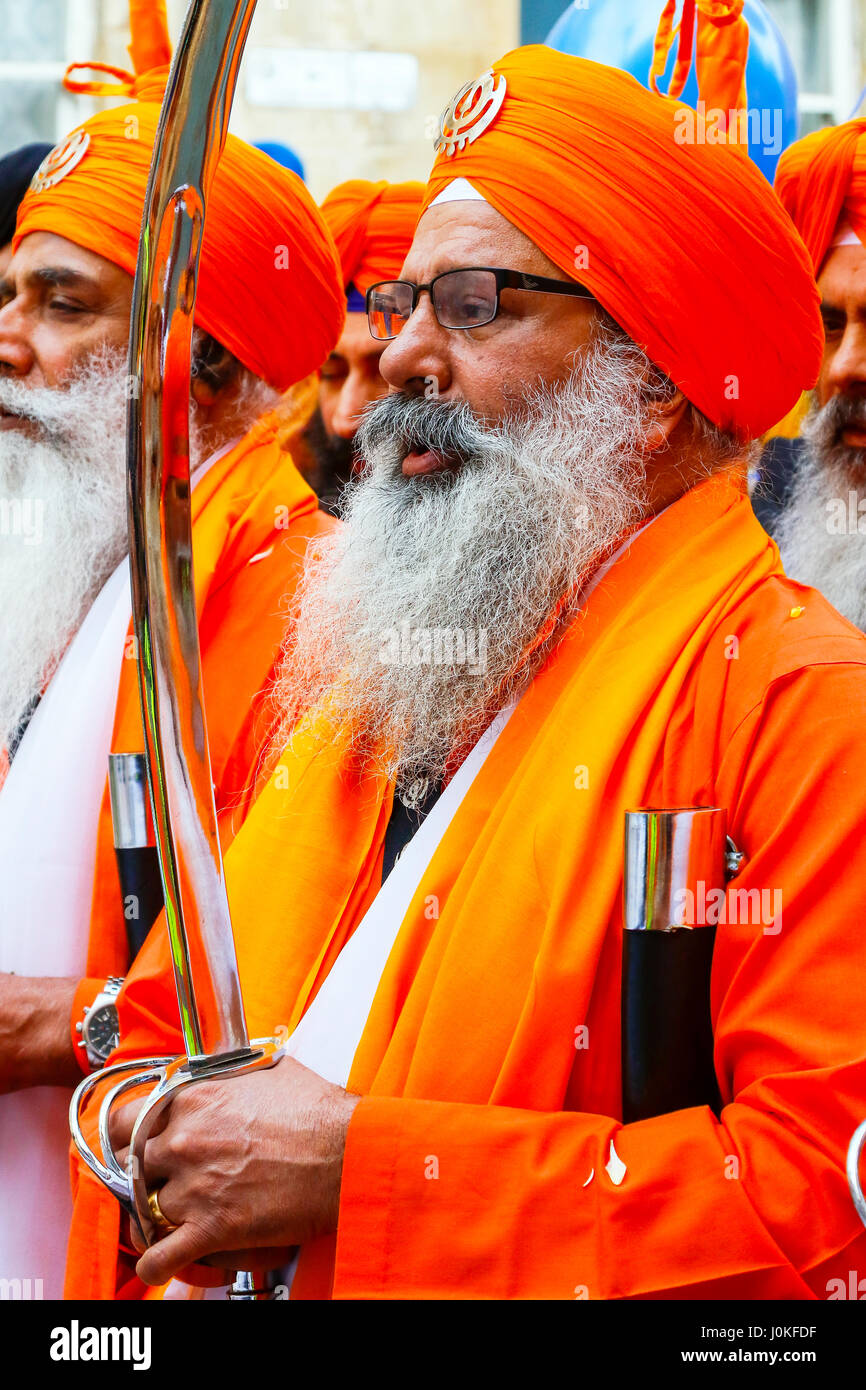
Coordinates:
[192,130]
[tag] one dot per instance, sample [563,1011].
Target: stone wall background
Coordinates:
[451,40]
[454,41]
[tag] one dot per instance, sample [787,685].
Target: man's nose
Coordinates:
[16,353]
[846,372]
[358,391]
[418,359]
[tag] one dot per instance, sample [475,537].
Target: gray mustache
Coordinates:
[47,410]
[842,412]
[413,424]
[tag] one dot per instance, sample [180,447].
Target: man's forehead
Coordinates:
[465,233]
[842,279]
[46,249]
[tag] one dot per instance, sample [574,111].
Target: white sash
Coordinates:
[49,811]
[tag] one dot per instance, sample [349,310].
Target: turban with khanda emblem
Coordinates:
[684,244]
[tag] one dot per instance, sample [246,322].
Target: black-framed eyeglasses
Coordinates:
[466,298]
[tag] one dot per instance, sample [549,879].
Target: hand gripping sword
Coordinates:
[191,133]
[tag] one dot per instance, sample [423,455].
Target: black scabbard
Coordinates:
[673,860]
[141,892]
[667,1035]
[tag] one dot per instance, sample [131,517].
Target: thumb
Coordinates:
[172,1253]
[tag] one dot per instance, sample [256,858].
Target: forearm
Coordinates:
[444,1200]
[36,1046]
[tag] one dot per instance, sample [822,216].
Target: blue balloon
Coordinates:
[621,33]
[283,154]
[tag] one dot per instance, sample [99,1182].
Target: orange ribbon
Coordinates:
[720,41]
[150,51]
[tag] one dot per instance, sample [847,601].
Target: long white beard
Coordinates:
[819,545]
[423,616]
[62,522]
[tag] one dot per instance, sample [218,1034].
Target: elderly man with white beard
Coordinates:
[427,894]
[68,660]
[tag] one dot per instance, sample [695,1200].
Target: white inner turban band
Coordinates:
[458,191]
[845,235]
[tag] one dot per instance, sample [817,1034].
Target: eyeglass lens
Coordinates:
[461,299]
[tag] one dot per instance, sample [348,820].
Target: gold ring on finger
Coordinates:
[157,1214]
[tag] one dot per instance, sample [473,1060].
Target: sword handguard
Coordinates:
[127,1183]
[109,1172]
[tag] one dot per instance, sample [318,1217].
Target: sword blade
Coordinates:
[192,130]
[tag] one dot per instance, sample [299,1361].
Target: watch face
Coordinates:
[102,1030]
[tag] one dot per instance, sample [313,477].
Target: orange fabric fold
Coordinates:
[593,168]
[150,42]
[372,225]
[469,1052]
[148,87]
[821,180]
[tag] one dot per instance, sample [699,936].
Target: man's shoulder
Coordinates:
[779,630]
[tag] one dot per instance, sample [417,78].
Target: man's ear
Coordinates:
[202,392]
[214,370]
[664,416]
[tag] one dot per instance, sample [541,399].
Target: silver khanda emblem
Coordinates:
[61,161]
[473,109]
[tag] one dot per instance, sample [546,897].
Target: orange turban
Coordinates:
[822,181]
[681,240]
[372,224]
[269,284]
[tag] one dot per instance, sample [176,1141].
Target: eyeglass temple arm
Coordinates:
[541,284]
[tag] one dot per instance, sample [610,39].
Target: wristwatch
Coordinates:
[99,1029]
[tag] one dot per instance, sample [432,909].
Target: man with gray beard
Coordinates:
[477,551]
[820,521]
[551,604]
[820,527]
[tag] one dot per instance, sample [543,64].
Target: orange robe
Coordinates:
[697,673]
